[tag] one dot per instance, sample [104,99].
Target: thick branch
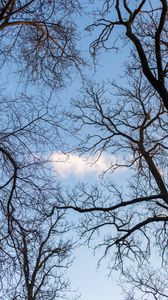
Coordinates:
[159,87]
[114,207]
[158,43]
[142,224]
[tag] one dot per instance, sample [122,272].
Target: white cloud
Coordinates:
[72,164]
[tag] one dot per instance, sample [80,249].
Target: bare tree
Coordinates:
[34,244]
[126,222]
[38,40]
[147,283]
[144,25]
[39,37]
[36,257]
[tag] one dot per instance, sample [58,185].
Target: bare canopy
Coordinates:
[144,25]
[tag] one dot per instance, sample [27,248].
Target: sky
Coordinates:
[93,283]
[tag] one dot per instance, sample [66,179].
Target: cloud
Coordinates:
[72,164]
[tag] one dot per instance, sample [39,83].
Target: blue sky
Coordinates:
[93,283]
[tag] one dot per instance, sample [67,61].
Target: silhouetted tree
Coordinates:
[39,36]
[142,24]
[147,283]
[38,40]
[34,245]
[126,222]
